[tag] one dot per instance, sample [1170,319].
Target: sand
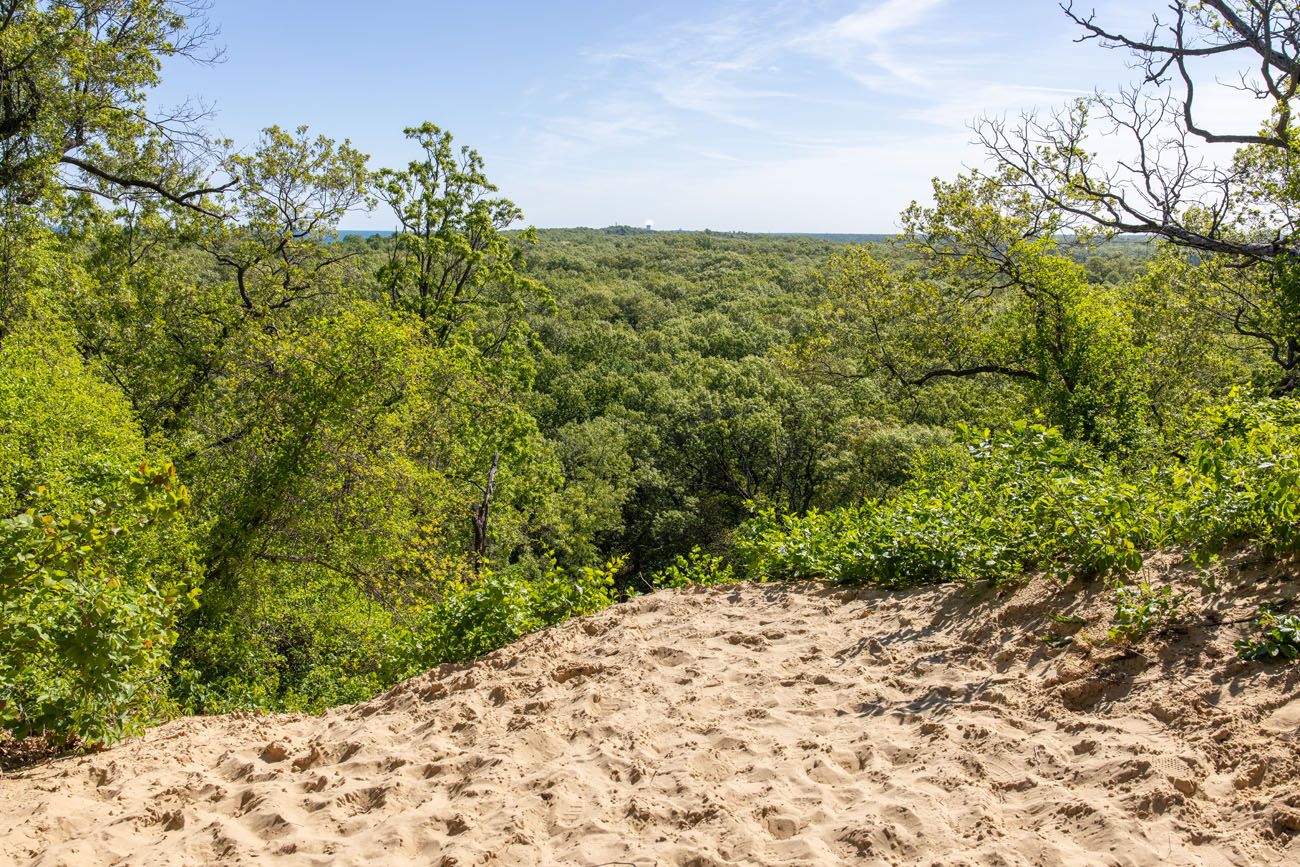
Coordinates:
[738,725]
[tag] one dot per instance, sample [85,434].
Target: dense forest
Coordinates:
[248,463]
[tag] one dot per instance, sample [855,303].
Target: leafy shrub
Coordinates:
[326,643]
[477,616]
[61,428]
[1281,639]
[88,614]
[1141,608]
[1022,500]
[95,563]
[1241,483]
[292,645]
[695,568]
[1029,499]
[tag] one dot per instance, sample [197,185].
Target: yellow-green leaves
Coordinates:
[88,601]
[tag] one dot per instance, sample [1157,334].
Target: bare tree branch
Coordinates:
[190,199]
[977,370]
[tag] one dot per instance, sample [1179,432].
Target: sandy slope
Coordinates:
[775,725]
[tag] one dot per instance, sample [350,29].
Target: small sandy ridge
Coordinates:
[770,725]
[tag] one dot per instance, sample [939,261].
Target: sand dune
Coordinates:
[740,725]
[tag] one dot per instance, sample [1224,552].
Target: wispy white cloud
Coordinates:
[719,69]
[752,101]
[865,44]
[958,107]
[599,125]
[875,24]
[821,114]
[733,68]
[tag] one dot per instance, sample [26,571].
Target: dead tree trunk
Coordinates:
[479,515]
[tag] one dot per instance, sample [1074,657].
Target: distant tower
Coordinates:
[649,225]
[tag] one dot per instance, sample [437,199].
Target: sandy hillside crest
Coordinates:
[750,725]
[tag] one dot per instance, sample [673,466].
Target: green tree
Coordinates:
[450,264]
[274,242]
[1238,210]
[76,74]
[987,292]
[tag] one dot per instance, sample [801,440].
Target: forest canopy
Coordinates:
[252,463]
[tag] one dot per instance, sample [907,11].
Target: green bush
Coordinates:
[1021,500]
[88,613]
[479,615]
[1029,499]
[1141,608]
[693,569]
[1280,641]
[296,646]
[95,564]
[61,427]
[1241,482]
[312,645]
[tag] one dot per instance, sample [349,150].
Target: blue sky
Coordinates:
[798,115]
